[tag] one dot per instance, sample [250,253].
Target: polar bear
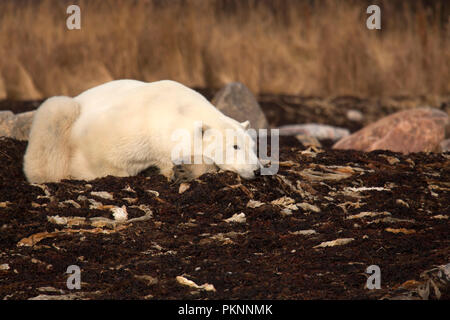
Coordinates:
[123,127]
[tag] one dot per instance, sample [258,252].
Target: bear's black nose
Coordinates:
[257,172]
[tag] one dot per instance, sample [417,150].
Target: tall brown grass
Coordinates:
[278,46]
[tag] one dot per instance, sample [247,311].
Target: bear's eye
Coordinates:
[236,147]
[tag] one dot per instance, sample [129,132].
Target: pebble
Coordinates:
[254,204]
[120,214]
[308,207]
[355,115]
[183,187]
[303,232]
[103,194]
[149,280]
[238,218]
[337,242]
[4,266]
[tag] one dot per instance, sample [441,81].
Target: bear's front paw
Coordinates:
[188,172]
[182,174]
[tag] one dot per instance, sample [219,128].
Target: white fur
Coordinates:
[49,152]
[121,128]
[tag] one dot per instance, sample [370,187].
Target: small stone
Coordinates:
[368,214]
[57,220]
[355,115]
[4,266]
[186,282]
[303,232]
[402,203]
[128,189]
[400,230]
[4,204]
[103,194]
[284,202]
[254,204]
[440,216]
[391,160]
[238,218]
[183,187]
[149,280]
[130,200]
[308,207]
[73,203]
[120,214]
[50,289]
[337,242]
[153,192]
[286,212]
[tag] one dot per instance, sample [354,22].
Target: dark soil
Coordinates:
[406,234]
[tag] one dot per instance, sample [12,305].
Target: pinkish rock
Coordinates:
[414,130]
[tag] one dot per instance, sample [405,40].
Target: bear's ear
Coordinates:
[245,124]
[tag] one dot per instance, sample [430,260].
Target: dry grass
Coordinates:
[278,46]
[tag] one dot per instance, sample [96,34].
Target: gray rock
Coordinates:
[7,122]
[16,126]
[22,125]
[236,101]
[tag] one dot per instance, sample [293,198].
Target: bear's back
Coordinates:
[130,105]
[164,94]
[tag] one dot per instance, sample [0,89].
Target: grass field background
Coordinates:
[311,47]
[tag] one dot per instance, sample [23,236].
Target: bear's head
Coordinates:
[232,146]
